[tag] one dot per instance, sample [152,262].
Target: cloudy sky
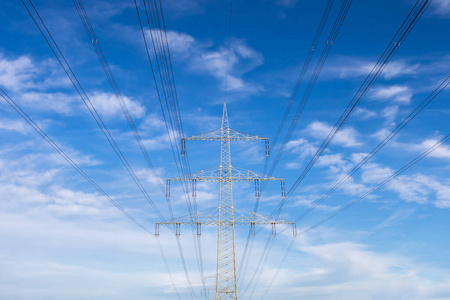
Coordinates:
[61,239]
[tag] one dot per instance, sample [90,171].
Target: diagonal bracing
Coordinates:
[225,216]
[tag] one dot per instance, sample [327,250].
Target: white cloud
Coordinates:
[419,188]
[399,68]
[374,173]
[397,93]
[303,148]
[330,160]
[204,60]
[15,125]
[390,113]
[346,137]
[349,270]
[364,113]
[348,67]
[17,73]
[442,8]
[24,73]
[441,152]
[308,201]
[108,106]
[30,82]
[61,103]
[157,143]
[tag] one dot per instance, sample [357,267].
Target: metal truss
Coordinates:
[226,216]
[236,175]
[211,218]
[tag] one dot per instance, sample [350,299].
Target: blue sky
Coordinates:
[62,240]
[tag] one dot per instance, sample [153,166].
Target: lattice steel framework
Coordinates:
[225,216]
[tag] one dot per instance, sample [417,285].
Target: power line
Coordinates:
[398,39]
[397,173]
[312,50]
[371,191]
[315,75]
[104,63]
[78,87]
[66,157]
[114,86]
[390,136]
[312,81]
[165,71]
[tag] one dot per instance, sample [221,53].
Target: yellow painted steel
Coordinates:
[224,216]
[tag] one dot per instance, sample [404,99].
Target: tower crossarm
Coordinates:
[241,217]
[217,135]
[237,175]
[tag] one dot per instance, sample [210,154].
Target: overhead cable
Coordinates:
[390,136]
[393,46]
[84,97]
[427,152]
[77,168]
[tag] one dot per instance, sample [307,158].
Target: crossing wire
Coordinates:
[398,39]
[161,48]
[312,50]
[311,84]
[440,143]
[162,57]
[77,168]
[165,71]
[96,44]
[313,80]
[390,136]
[87,102]
[408,24]
[114,86]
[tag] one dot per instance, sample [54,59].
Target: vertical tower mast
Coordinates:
[226,216]
[226,286]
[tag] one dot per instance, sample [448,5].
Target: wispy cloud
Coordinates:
[303,148]
[108,106]
[14,125]
[24,73]
[202,58]
[347,137]
[398,93]
[442,8]
[348,67]
[364,113]
[351,270]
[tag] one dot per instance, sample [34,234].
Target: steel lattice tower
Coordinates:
[226,216]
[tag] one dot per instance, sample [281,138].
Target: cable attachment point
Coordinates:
[167,188]
[194,188]
[267,147]
[274,229]
[257,189]
[177,229]
[283,189]
[183,147]
[199,228]
[156,229]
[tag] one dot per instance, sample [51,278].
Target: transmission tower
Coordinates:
[225,216]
